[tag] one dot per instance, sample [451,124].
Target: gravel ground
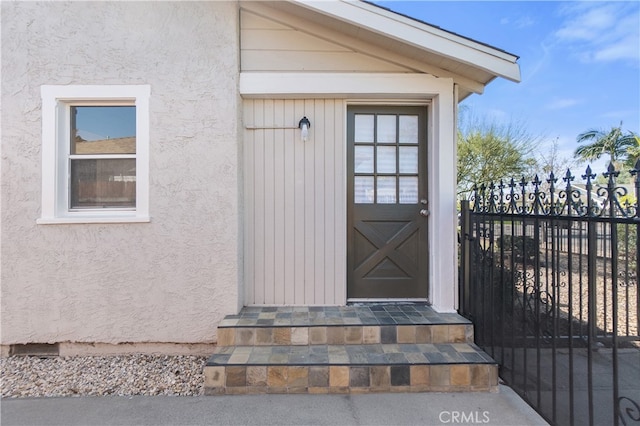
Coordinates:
[28,376]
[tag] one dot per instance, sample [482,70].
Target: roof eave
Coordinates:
[420,35]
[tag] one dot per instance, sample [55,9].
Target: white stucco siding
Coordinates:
[170,280]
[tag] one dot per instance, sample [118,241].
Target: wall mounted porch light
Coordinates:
[304,125]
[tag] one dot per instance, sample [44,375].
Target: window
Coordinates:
[386,159]
[95,154]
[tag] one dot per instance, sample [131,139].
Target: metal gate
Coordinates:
[549,277]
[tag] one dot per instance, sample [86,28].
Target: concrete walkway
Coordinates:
[502,408]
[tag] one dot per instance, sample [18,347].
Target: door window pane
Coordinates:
[386,129]
[408,159]
[386,159]
[408,189]
[363,189]
[408,129]
[363,128]
[103,130]
[363,159]
[386,190]
[103,183]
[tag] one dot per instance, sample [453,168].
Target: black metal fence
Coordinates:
[549,276]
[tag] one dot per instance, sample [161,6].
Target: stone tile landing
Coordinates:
[347,349]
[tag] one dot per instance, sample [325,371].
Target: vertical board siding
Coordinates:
[294,198]
[249,200]
[319,210]
[268,180]
[278,199]
[299,212]
[259,200]
[289,209]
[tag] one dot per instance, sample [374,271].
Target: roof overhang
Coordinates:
[418,45]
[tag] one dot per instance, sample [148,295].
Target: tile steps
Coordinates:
[345,334]
[372,354]
[340,316]
[347,369]
[361,378]
[350,349]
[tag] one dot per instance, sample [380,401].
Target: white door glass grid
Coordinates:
[385,159]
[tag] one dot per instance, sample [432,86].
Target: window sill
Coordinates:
[92,219]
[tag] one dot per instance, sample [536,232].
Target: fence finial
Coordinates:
[568,177]
[611,171]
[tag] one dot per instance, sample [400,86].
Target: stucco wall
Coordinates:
[170,280]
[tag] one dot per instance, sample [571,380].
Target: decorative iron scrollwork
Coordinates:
[628,410]
[532,198]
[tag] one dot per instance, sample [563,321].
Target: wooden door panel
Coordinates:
[387,248]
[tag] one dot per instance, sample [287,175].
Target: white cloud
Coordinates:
[589,24]
[519,23]
[524,22]
[598,32]
[562,103]
[626,48]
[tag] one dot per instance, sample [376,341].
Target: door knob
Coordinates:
[424,212]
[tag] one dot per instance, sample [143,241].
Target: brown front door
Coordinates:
[387,203]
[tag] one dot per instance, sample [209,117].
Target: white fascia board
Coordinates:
[419,35]
[342,85]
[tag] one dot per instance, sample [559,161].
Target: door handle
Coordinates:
[424,212]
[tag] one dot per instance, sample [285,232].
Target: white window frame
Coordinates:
[56,109]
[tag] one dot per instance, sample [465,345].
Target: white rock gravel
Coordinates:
[28,376]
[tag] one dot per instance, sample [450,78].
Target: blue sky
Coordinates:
[580,62]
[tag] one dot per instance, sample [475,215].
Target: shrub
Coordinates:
[524,247]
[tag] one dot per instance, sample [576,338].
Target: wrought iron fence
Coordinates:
[549,277]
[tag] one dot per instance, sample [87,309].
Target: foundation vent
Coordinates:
[44,350]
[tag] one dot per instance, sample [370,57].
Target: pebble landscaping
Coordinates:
[29,376]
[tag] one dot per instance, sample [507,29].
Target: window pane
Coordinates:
[408,129]
[103,183]
[408,190]
[386,128]
[408,159]
[386,190]
[363,159]
[363,128]
[386,159]
[103,130]
[363,189]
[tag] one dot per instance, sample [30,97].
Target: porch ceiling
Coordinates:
[420,46]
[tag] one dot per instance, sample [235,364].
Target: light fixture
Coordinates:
[304,125]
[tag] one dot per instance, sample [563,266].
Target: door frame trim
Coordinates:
[442,110]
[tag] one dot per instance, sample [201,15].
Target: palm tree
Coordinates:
[598,142]
[633,153]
